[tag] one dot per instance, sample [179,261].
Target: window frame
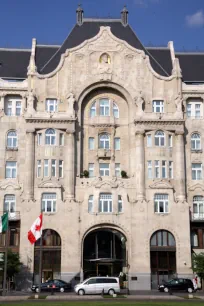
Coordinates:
[12,139]
[49,103]
[120,204]
[50,137]
[91,169]
[10,202]
[52,200]
[91,204]
[117,139]
[191,109]
[102,201]
[158,203]
[91,143]
[195,172]
[39,168]
[117,168]
[115,109]
[11,169]
[104,110]
[196,141]
[160,106]
[104,141]
[158,136]
[61,168]
[103,170]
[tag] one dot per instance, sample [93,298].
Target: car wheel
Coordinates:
[190,290]
[81,292]
[61,289]
[166,289]
[111,292]
[36,290]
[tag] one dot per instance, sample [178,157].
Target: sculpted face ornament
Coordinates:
[105,59]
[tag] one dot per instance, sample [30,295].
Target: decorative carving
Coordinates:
[30,102]
[196,186]
[49,184]
[71,100]
[179,103]
[139,100]
[162,184]
[10,184]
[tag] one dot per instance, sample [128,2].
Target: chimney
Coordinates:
[124,16]
[79,13]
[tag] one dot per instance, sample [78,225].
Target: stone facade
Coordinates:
[103,67]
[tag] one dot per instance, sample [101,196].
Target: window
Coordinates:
[91,143]
[12,139]
[159,139]
[91,170]
[11,169]
[156,168]
[61,139]
[158,106]
[117,170]
[149,140]
[39,139]
[90,204]
[10,203]
[50,137]
[161,203]
[104,105]
[12,106]
[162,239]
[46,167]
[120,204]
[194,109]
[104,169]
[194,238]
[93,110]
[105,203]
[149,169]
[198,208]
[8,109]
[49,202]
[104,141]
[170,141]
[195,141]
[39,168]
[14,237]
[18,108]
[196,171]
[171,170]
[51,105]
[117,143]
[53,167]
[164,172]
[115,111]
[61,168]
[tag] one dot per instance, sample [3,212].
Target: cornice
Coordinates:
[162,184]
[159,122]
[49,120]
[13,85]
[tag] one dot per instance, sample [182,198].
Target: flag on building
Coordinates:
[4,223]
[36,230]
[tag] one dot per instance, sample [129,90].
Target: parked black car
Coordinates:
[177,284]
[52,285]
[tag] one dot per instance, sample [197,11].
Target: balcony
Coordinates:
[13,216]
[197,217]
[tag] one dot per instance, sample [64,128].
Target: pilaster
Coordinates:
[69,164]
[140,165]
[30,158]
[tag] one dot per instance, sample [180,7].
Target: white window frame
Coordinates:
[149,140]
[46,198]
[160,136]
[171,169]
[18,108]
[10,203]
[46,168]
[50,138]
[91,204]
[104,141]
[51,105]
[193,111]
[164,169]
[158,106]
[61,139]
[104,107]
[161,201]
[12,106]
[61,168]
[117,143]
[117,170]
[120,204]
[195,141]
[149,169]
[115,110]
[105,201]
[39,137]
[91,169]
[39,168]
[170,140]
[104,169]
[197,172]
[157,169]
[198,207]
[11,171]
[12,140]
[93,110]
[91,143]
[53,167]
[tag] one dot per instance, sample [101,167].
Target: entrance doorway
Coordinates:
[104,269]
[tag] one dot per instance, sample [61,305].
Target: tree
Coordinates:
[198,266]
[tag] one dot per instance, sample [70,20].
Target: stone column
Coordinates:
[179,166]
[140,165]
[30,162]
[69,164]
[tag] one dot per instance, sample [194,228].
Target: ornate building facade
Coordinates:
[104,136]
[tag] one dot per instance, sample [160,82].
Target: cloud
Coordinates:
[145,3]
[196,20]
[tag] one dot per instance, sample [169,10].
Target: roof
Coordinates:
[43,53]
[192,66]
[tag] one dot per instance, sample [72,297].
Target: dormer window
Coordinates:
[158,106]
[51,105]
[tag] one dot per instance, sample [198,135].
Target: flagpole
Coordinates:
[6,257]
[40,262]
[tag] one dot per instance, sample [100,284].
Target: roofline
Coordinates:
[14,49]
[102,19]
[157,48]
[189,53]
[12,78]
[49,46]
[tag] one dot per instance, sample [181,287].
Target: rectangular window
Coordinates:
[104,107]
[170,141]
[120,204]
[13,241]
[117,143]
[171,170]
[91,143]
[149,169]
[105,203]
[189,111]
[91,170]
[46,167]
[195,110]
[90,204]
[196,171]
[49,202]
[39,139]
[53,167]
[61,139]
[61,168]
[164,172]
[93,110]
[149,140]
[161,203]
[10,203]
[158,106]
[11,169]
[51,105]
[18,108]
[104,169]
[8,109]
[156,168]
[39,168]
[117,170]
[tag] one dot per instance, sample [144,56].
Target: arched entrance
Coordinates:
[51,256]
[162,257]
[104,253]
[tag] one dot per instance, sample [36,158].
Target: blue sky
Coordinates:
[154,21]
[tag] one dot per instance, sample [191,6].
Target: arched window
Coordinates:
[162,239]
[159,139]
[195,141]
[12,139]
[93,110]
[50,137]
[115,110]
[104,141]
[198,207]
[9,203]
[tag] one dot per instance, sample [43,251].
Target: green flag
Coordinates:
[4,223]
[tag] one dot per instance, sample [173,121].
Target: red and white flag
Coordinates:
[36,230]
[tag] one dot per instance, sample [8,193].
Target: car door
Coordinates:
[100,285]
[182,284]
[90,286]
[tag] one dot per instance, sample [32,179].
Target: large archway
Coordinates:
[51,256]
[104,253]
[162,257]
